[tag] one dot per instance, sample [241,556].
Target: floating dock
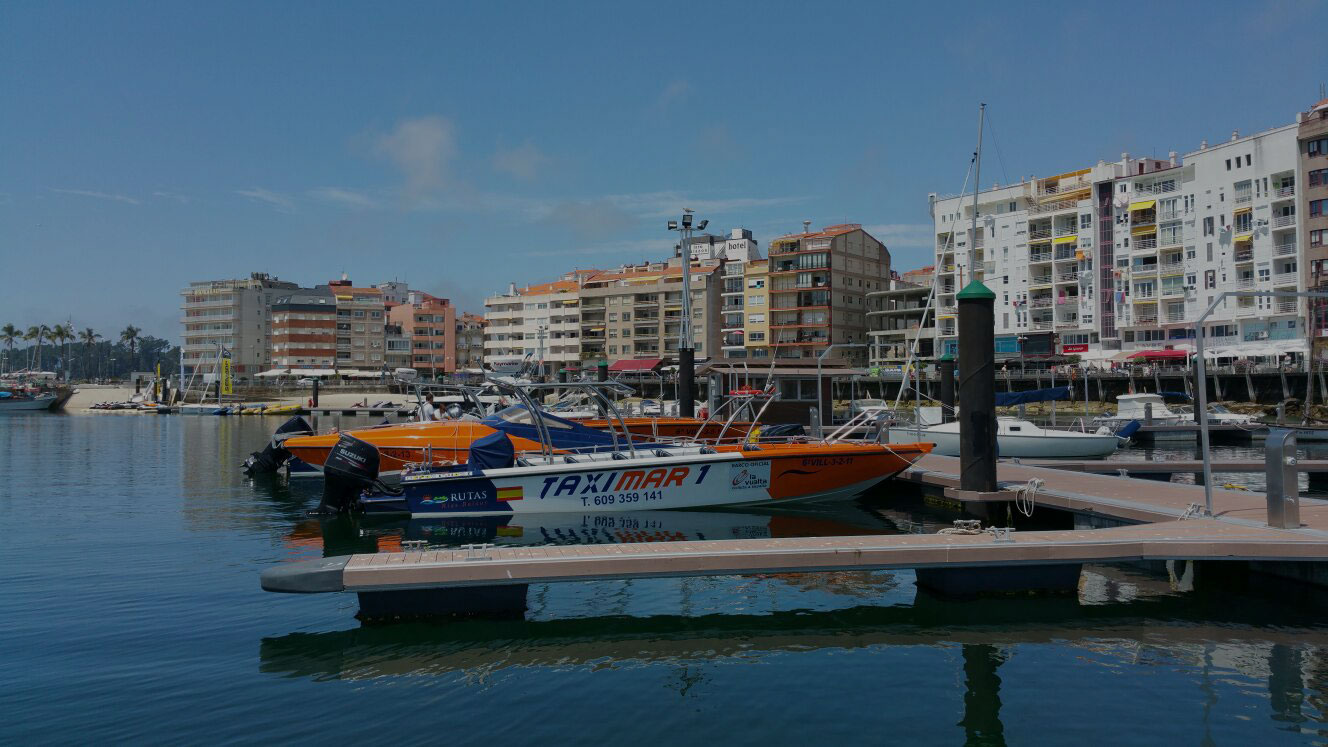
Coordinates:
[1141,520]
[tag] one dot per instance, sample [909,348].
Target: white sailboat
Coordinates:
[1015,437]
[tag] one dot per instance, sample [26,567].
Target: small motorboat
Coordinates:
[497,480]
[24,402]
[1019,438]
[1149,409]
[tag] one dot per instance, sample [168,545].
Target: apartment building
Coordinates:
[538,321]
[756,311]
[635,311]
[361,315]
[1108,260]
[396,343]
[234,313]
[1312,170]
[429,323]
[304,330]
[470,342]
[818,286]
[896,318]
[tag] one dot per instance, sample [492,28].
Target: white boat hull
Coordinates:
[25,405]
[1073,446]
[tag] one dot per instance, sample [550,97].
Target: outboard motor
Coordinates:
[271,458]
[350,469]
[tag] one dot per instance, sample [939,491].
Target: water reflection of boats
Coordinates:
[1176,627]
[343,534]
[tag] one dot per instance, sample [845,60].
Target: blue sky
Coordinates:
[463,146]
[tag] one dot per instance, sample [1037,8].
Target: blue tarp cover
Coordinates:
[494,451]
[1006,399]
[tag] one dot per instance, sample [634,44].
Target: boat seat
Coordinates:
[570,460]
[662,453]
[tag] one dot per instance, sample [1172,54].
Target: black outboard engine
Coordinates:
[271,458]
[350,469]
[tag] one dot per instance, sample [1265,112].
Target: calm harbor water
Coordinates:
[132,612]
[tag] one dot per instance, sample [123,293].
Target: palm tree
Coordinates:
[88,337]
[9,334]
[129,336]
[61,335]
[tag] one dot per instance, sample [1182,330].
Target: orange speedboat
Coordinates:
[404,443]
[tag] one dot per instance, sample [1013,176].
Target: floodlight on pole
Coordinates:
[686,346]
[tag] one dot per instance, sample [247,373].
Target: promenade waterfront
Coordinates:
[135,547]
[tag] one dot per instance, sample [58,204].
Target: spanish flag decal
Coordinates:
[510,494]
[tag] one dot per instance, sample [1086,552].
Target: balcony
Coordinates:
[1039,282]
[1172,291]
[1144,320]
[1166,215]
[1051,207]
[1245,284]
[1036,257]
[1145,245]
[1287,307]
[1066,253]
[1143,295]
[1148,269]
[988,268]
[1172,268]
[1283,221]
[1067,277]
[1285,278]
[1285,191]
[1042,303]
[1244,255]
[947,310]
[1285,249]
[1174,317]
[1043,325]
[1040,233]
[1243,198]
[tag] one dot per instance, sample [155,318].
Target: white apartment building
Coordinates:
[1106,261]
[522,321]
[232,313]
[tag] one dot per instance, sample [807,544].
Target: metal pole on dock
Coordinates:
[946,365]
[977,388]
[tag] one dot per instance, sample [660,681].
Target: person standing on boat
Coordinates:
[428,413]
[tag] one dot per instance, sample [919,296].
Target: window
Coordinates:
[756,318]
[1263,274]
[1317,237]
[1228,164]
[1210,251]
[1210,279]
[1317,147]
[1318,208]
[1208,231]
[1248,158]
[756,300]
[1085,221]
[1319,177]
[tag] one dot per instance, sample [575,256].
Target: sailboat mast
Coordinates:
[977,187]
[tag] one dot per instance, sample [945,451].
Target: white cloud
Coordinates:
[172,196]
[903,235]
[652,248]
[662,204]
[674,92]
[342,196]
[524,162]
[278,200]
[99,195]
[421,148]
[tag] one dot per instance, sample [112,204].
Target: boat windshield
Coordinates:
[519,415]
[1219,410]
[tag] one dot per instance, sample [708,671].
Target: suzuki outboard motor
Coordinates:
[275,455]
[350,469]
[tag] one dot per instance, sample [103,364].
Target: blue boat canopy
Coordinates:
[3,395]
[494,451]
[1006,399]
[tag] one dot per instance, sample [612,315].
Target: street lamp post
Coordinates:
[686,346]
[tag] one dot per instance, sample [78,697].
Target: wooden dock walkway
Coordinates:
[1158,523]
[1201,539]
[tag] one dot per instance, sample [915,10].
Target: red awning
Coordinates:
[1162,355]
[637,364]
